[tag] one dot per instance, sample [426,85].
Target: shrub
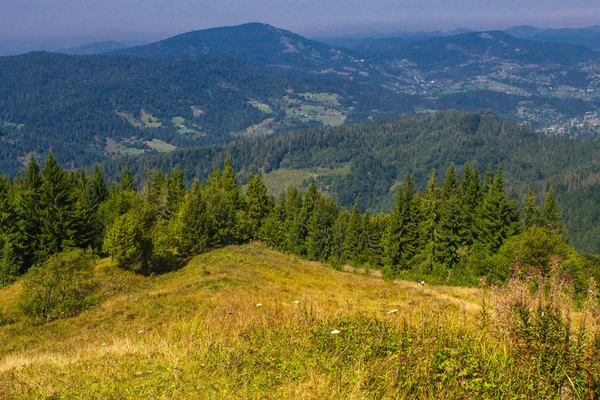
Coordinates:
[62,287]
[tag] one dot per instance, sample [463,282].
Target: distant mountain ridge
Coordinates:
[95,48]
[257,43]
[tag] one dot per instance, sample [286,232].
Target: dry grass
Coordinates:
[198,333]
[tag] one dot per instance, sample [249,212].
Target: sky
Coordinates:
[139,19]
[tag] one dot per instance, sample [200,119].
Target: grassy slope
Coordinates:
[203,335]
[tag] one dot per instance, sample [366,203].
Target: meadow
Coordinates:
[250,322]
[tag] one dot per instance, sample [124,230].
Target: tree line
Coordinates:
[457,232]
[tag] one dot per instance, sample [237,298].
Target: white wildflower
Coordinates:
[259,305]
[392,311]
[335,332]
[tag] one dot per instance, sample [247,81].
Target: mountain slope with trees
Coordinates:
[378,155]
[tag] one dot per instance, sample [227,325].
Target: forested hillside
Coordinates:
[456,232]
[376,156]
[88,108]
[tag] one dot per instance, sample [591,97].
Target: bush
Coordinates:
[62,287]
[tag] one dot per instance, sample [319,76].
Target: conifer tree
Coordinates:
[401,238]
[196,233]
[550,215]
[451,184]
[531,212]
[175,191]
[497,216]
[258,203]
[319,240]
[295,231]
[272,230]
[127,184]
[355,244]
[339,232]
[430,205]
[26,238]
[471,198]
[57,213]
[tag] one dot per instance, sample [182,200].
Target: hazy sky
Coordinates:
[56,18]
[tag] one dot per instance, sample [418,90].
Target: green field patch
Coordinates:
[280,179]
[326,115]
[263,128]
[13,125]
[115,148]
[324,98]
[261,106]
[146,120]
[160,146]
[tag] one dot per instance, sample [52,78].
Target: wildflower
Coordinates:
[392,311]
[141,331]
[259,305]
[296,301]
[335,332]
[103,344]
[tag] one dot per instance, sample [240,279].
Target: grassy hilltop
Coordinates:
[199,333]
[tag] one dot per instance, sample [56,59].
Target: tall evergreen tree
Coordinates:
[319,240]
[497,215]
[550,216]
[354,246]
[401,238]
[57,211]
[258,203]
[531,212]
[127,183]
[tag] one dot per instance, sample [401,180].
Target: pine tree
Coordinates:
[258,203]
[497,216]
[98,189]
[451,184]
[295,231]
[175,191]
[430,205]
[57,209]
[339,232]
[550,216]
[196,233]
[26,237]
[272,230]
[319,239]
[531,212]
[127,184]
[452,232]
[471,198]
[401,238]
[354,246]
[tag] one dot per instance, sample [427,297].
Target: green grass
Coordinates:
[280,179]
[261,106]
[199,333]
[160,146]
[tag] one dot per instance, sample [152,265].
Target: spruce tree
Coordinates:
[127,184]
[401,238]
[258,203]
[57,209]
[471,198]
[319,240]
[531,212]
[175,191]
[430,205]
[295,231]
[196,233]
[354,245]
[550,216]
[497,216]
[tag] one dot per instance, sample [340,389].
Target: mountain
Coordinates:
[89,108]
[257,43]
[95,48]
[588,37]
[490,46]
[364,163]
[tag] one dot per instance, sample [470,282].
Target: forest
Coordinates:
[458,232]
[385,151]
